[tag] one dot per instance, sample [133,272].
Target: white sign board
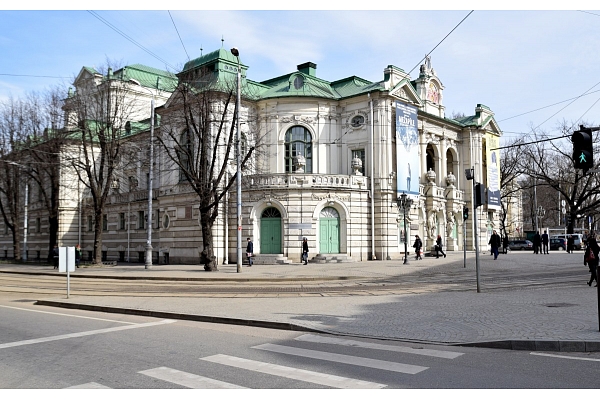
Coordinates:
[66,259]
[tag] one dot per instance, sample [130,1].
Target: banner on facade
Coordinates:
[408,166]
[493,170]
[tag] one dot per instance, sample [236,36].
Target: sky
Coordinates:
[533,69]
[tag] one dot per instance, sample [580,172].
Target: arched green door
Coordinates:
[270,231]
[329,231]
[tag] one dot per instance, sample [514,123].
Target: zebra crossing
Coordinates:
[194,381]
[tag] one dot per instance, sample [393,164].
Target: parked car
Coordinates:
[558,244]
[520,245]
[577,242]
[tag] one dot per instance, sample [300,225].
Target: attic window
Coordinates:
[298,82]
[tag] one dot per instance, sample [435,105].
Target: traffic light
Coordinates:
[583,148]
[465,213]
[479,195]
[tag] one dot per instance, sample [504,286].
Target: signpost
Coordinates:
[66,263]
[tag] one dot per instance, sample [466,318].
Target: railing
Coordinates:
[138,195]
[306,180]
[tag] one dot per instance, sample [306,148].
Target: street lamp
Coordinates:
[148,263]
[236,53]
[539,212]
[404,203]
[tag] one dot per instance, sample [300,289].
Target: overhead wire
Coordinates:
[130,39]
[177,30]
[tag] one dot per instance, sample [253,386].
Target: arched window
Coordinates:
[185,154]
[430,158]
[298,142]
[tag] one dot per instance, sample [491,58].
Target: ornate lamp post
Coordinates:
[404,202]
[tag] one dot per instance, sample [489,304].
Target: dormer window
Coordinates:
[298,82]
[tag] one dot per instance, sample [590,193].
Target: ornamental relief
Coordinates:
[331,197]
[297,118]
[259,197]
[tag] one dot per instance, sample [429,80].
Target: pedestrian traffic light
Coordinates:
[465,213]
[583,148]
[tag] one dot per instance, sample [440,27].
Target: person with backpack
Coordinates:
[418,245]
[590,257]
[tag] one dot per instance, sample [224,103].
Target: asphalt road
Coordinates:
[50,348]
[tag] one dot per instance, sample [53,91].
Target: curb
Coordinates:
[180,279]
[539,345]
[518,344]
[187,317]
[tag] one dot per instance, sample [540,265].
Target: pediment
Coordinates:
[404,91]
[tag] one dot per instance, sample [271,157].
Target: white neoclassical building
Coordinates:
[336,157]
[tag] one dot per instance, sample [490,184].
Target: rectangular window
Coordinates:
[38,225]
[141,219]
[104,222]
[122,221]
[90,223]
[360,154]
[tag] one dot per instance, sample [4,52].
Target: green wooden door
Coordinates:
[270,231]
[329,231]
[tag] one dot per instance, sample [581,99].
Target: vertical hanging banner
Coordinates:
[493,170]
[408,165]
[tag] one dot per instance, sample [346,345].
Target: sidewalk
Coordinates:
[554,318]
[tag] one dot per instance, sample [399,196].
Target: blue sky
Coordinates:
[512,61]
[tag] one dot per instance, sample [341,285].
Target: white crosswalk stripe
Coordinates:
[344,359]
[293,373]
[369,345]
[90,385]
[188,380]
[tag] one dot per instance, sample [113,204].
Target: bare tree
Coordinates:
[13,114]
[510,174]
[96,118]
[198,136]
[550,163]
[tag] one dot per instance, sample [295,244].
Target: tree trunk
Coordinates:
[98,238]
[207,256]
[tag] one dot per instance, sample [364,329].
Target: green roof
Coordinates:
[148,77]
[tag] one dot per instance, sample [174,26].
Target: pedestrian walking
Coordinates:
[537,243]
[418,245]
[590,257]
[495,243]
[570,244]
[505,244]
[545,243]
[55,256]
[305,251]
[249,251]
[439,247]
[77,255]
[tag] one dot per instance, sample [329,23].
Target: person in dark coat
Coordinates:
[55,256]
[77,256]
[418,245]
[249,251]
[570,244]
[495,243]
[505,243]
[305,251]
[439,247]
[592,248]
[537,243]
[545,243]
